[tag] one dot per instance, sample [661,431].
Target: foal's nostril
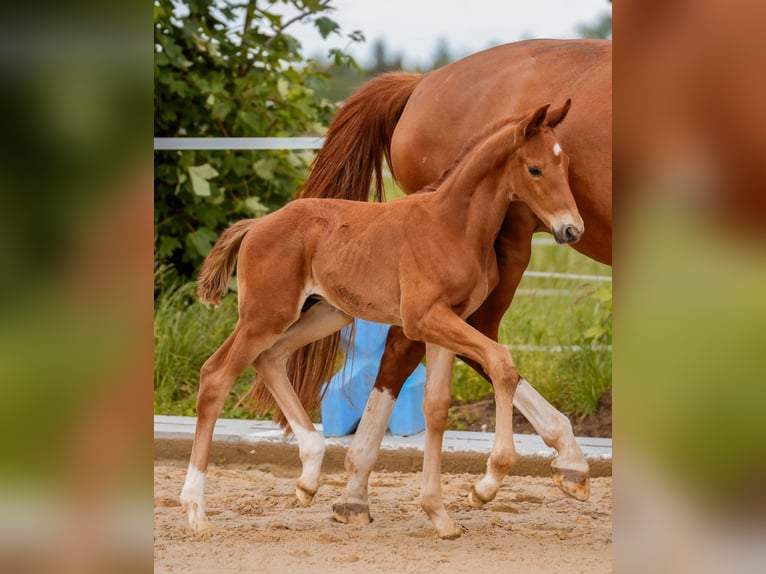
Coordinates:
[567,234]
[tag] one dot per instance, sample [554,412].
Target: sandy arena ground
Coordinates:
[530,527]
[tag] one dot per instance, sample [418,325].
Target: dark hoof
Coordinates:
[349,513]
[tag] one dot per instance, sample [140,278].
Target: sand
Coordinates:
[257,526]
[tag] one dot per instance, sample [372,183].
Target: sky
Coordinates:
[414,27]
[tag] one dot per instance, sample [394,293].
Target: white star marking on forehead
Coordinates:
[557,149]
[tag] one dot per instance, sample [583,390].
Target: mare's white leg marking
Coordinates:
[352,507]
[311,448]
[556,149]
[193,498]
[371,429]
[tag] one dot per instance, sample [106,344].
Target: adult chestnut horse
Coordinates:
[308,269]
[419,124]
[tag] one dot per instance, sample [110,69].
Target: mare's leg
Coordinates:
[318,322]
[439,325]
[400,358]
[217,377]
[435,408]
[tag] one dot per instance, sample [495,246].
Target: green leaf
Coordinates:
[254,206]
[166,246]
[282,87]
[220,111]
[200,174]
[265,167]
[326,26]
[201,240]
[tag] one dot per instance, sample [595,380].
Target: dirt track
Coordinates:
[530,527]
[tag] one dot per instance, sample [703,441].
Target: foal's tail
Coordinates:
[358,138]
[214,276]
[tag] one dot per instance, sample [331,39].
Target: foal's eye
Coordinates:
[534,171]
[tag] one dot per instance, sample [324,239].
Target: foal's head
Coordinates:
[539,171]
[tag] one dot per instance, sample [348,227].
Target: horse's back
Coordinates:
[453,103]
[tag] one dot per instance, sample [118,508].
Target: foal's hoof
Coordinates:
[476,500]
[200,526]
[350,513]
[451,530]
[575,483]
[197,519]
[304,495]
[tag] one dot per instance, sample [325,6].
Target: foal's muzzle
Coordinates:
[567,233]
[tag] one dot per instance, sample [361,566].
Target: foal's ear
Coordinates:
[557,115]
[534,121]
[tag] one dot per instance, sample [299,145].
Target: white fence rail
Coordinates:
[238,144]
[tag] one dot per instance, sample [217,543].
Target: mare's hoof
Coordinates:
[350,513]
[574,483]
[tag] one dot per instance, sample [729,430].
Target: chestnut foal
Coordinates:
[309,269]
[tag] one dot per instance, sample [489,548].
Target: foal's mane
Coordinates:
[489,129]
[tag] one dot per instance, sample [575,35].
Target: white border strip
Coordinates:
[237,143]
[554,275]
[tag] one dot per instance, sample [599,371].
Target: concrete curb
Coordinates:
[261,444]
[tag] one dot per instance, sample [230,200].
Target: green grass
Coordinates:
[185,335]
[550,312]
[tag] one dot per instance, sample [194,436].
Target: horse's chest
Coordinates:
[473,289]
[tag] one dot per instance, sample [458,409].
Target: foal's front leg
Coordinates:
[435,408]
[513,249]
[443,327]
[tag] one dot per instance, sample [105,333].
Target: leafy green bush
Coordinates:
[223,68]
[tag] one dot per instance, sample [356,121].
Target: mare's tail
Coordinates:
[308,369]
[214,275]
[358,138]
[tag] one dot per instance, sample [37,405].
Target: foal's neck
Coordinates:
[475,196]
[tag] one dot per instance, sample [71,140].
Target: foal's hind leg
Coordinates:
[318,322]
[217,377]
[569,469]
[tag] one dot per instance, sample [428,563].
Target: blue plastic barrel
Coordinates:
[348,391]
